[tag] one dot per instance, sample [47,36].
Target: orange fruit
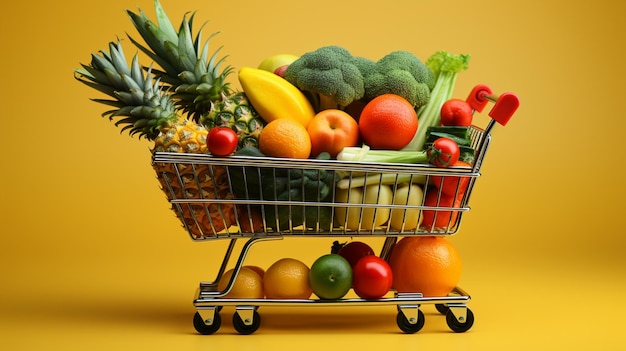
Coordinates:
[248,284]
[388,121]
[429,265]
[285,137]
[331,130]
[287,278]
[260,271]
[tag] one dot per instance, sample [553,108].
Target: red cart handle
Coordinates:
[505,105]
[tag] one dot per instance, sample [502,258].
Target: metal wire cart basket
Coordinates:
[239,197]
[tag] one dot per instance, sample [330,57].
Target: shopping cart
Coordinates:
[254,211]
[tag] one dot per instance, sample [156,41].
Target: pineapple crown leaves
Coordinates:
[194,74]
[141,106]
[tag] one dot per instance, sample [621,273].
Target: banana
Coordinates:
[273,97]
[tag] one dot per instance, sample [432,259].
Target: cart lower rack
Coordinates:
[258,199]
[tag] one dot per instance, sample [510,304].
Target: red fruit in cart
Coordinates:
[451,185]
[287,278]
[429,265]
[354,250]
[331,130]
[372,277]
[222,141]
[456,112]
[388,122]
[330,277]
[443,152]
[439,218]
[248,284]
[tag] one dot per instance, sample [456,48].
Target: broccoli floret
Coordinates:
[400,73]
[329,75]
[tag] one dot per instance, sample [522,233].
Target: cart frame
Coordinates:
[410,319]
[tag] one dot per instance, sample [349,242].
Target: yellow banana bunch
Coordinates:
[274,97]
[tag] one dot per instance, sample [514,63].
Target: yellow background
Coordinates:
[92,258]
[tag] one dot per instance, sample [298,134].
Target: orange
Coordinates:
[285,137]
[248,284]
[331,130]
[287,278]
[388,122]
[260,271]
[429,265]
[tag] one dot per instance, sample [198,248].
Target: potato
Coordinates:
[369,217]
[355,196]
[407,195]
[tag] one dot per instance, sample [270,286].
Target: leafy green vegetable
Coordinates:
[285,184]
[445,66]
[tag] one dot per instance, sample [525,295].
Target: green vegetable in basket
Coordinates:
[401,73]
[445,66]
[268,183]
[330,75]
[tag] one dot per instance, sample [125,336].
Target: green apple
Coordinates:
[330,277]
[271,63]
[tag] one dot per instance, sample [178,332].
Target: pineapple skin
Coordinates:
[142,108]
[236,112]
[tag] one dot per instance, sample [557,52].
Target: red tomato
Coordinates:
[372,277]
[449,184]
[222,141]
[456,112]
[355,250]
[443,152]
[439,218]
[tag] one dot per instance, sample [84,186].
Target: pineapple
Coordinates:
[142,108]
[199,84]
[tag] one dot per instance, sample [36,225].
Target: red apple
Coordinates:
[331,130]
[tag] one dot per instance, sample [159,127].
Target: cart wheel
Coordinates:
[460,327]
[442,308]
[242,328]
[207,329]
[408,327]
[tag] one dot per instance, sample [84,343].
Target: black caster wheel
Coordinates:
[246,329]
[408,327]
[442,308]
[460,327]
[207,329]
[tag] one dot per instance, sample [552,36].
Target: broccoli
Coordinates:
[400,73]
[329,75]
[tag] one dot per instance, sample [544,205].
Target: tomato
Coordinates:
[444,152]
[372,277]
[222,141]
[354,250]
[449,184]
[439,218]
[456,112]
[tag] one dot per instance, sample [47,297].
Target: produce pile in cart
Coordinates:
[325,144]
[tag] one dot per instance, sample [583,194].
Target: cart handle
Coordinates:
[504,106]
